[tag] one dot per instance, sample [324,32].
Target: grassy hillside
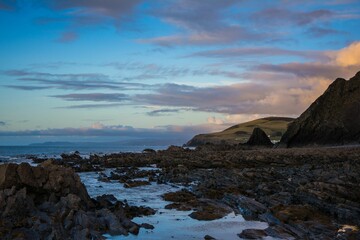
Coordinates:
[240,133]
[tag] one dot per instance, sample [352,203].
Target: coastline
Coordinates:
[298,192]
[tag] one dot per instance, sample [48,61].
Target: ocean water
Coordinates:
[22,153]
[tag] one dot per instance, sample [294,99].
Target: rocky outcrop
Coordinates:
[259,138]
[50,202]
[333,119]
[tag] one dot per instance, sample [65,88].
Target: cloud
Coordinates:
[280,16]
[95,97]
[106,8]
[214,120]
[349,56]
[162,112]
[2,123]
[309,69]
[91,106]
[242,98]
[97,129]
[27,88]
[270,89]
[322,31]
[79,81]
[68,36]
[201,23]
[341,63]
[257,52]
[229,34]
[77,14]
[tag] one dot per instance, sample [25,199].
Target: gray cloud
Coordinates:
[2,123]
[27,88]
[80,13]
[244,98]
[162,112]
[258,51]
[323,31]
[81,81]
[95,97]
[280,16]
[202,22]
[91,106]
[311,69]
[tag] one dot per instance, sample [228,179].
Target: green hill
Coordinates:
[240,133]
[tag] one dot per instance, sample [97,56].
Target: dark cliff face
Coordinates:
[333,119]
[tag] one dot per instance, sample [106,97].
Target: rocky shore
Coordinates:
[50,202]
[304,193]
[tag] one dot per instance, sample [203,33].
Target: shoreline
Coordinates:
[300,192]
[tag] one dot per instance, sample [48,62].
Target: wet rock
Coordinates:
[50,202]
[208,237]
[179,196]
[147,226]
[71,157]
[103,178]
[249,208]
[252,234]
[209,213]
[149,150]
[135,183]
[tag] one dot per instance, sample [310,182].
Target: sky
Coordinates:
[104,70]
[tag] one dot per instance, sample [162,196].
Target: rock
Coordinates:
[50,202]
[207,211]
[259,138]
[147,226]
[179,196]
[333,119]
[252,234]
[148,150]
[249,208]
[135,183]
[8,175]
[208,237]
[71,157]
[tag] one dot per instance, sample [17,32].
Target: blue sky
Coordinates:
[96,70]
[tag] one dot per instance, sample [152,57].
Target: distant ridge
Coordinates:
[240,133]
[333,119]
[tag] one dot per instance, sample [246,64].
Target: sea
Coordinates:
[23,153]
[168,223]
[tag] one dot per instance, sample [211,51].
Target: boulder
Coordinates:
[259,138]
[49,201]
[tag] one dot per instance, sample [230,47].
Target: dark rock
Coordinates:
[135,183]
[208,237]
[179,196]
[252,234]
[249,208]
[50,202]
[333,119]
[149,150]
[259,138]
[147,226]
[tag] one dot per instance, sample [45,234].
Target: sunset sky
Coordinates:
[101,70]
